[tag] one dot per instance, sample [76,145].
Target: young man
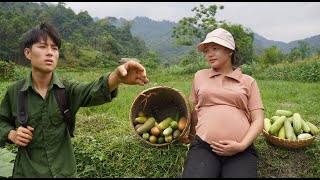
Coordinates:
[45,148]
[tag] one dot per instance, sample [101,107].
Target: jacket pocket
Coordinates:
[56,118]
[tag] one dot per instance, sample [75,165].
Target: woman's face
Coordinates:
[43,55]
[217,56]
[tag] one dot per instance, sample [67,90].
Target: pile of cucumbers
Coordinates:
[166,131]
[288,125]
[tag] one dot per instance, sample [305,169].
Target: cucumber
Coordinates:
[289,130]
[165,123]
[296,123]
[146,136]
[282,133]
[147,126]
[168,138]
[290,119]
[275,127]
[176,133]
[141,120]
[313,129]
[274,118]
[168,131]
[304,136]
[267,124]
[305,127]
[174,124]
[177,116]
[286,113]
[160,140]
[137,126]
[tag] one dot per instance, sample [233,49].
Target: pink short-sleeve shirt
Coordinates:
[223,104]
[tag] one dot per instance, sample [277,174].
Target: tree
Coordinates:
[294,54]
[151,60]
[316,51]
[84,19]
[301,52]
[191,29]
[12,26]
[79,33]
[304,48]
[272,55]
[243,38]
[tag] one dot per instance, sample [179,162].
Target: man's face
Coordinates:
[43,55]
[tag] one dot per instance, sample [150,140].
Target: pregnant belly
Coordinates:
[221,122]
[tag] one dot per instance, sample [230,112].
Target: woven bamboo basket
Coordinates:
[160,102]
[287,143]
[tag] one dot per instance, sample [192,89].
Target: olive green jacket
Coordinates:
[50,152]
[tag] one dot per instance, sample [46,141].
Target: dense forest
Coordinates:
[85,42]
[94,42]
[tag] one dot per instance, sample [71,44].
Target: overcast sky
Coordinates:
[278,21]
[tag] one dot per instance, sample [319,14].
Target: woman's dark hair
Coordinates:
[39,32]
[235,58]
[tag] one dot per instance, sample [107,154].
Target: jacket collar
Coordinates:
[236,74]
[54,80]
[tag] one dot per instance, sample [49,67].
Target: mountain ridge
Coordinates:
[157,35]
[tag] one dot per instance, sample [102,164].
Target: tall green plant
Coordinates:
[306,70]
[6,70]
[6,163]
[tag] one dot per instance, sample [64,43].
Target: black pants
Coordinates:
[202,162]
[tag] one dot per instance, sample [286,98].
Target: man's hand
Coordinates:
[22,136]
[130,73]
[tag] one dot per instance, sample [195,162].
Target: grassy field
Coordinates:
[106,146]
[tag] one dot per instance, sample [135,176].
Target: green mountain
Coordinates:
[157,36]
[261,43]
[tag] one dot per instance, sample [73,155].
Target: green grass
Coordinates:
[106,146]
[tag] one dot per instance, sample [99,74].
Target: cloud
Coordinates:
[276,21]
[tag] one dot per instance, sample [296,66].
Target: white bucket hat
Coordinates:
[219,36]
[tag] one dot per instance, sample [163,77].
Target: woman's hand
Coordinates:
[226,147]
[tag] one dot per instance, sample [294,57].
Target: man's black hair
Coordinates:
[41,32]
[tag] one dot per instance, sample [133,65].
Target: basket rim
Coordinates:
[286,140]
[188,117]
[288,143]
[161,87]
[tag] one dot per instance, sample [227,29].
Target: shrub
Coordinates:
[6,70]
[307,70]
